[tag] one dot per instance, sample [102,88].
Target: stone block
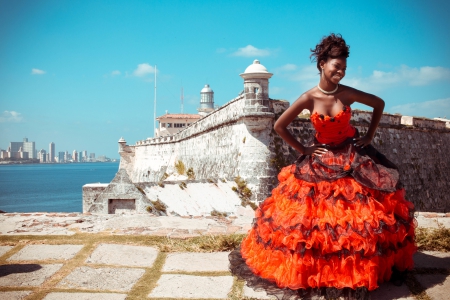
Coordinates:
[197,287]
[389,291]
[26,274]
[4,249]
[432,259]
[85,296]
[196,262]
[14,295]
[114,279]
[251,293]
[43,252]
[124,255]
[437,285]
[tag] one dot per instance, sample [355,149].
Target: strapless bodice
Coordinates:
[333,130]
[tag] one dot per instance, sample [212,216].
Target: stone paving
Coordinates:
[99,270]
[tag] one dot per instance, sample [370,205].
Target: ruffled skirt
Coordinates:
[339,222]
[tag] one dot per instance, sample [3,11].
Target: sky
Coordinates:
[81,73]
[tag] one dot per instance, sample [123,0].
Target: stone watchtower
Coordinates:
[256,87]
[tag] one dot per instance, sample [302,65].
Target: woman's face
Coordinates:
[334,69]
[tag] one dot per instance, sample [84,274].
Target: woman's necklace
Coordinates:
[328,92]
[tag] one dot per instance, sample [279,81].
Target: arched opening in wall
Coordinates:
[122,206]
[255,90]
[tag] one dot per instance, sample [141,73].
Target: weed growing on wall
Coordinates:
[182,185]
[179,166]
[190,174]
[219,214]
[158,206]
[244,192]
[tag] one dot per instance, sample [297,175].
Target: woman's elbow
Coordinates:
[278,127]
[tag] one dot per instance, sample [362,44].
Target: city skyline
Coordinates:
[82,73]
[52,155]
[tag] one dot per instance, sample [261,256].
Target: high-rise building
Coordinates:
[85,156]
[51,152]
[42,156]
[92,156]
[29,147]
[80,156]
[26,147]
[61,157]
[75,156]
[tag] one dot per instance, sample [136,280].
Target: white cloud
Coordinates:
[307,76]
[378,80]
[10,117]
[286,68]
[401,76]
[115,73]
[430,109]
[250,51]
[37,72]
[143,69]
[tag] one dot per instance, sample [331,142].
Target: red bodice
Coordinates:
[333,130]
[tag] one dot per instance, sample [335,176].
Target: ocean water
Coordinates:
[49,187]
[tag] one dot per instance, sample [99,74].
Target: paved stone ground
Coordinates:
[97,270]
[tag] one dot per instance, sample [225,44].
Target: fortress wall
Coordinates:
[421,150]
[227,143]
[232,142]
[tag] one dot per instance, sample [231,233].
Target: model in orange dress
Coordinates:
[338,224]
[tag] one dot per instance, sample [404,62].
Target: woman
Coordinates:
[338,224]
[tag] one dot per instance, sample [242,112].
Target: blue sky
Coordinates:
[80,73]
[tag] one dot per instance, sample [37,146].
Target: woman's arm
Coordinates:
[378,106]
[287,117]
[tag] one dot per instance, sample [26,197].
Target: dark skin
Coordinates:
[333,70]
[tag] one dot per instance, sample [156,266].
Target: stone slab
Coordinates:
[188,286]
[251,293]
[26,274]
[196,262]
[432,259]
[42,252]
[14,295]
[85,296]
[113,279]
[4,249]
[388,291]
[437,285]
[124,255]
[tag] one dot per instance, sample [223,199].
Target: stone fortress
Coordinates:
[238,139]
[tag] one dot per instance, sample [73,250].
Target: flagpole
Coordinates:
[154,110]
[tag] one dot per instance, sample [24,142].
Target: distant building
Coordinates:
[61,157]
[51,152]
[85,156]
[170,124]
[26,146]
[80,156]
[91,156]
[75,156]
[42,156]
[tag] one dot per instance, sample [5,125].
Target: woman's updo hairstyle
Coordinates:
[332,46]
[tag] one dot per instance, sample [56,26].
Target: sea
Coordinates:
[50,187]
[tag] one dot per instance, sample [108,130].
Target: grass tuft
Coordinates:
[190,174]
[219,214]
[433,239]
[179,166]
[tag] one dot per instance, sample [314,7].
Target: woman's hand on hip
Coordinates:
[362,141]
[318,150]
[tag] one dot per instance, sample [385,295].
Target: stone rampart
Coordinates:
[231,142]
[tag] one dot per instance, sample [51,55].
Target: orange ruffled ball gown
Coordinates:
[336,225]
